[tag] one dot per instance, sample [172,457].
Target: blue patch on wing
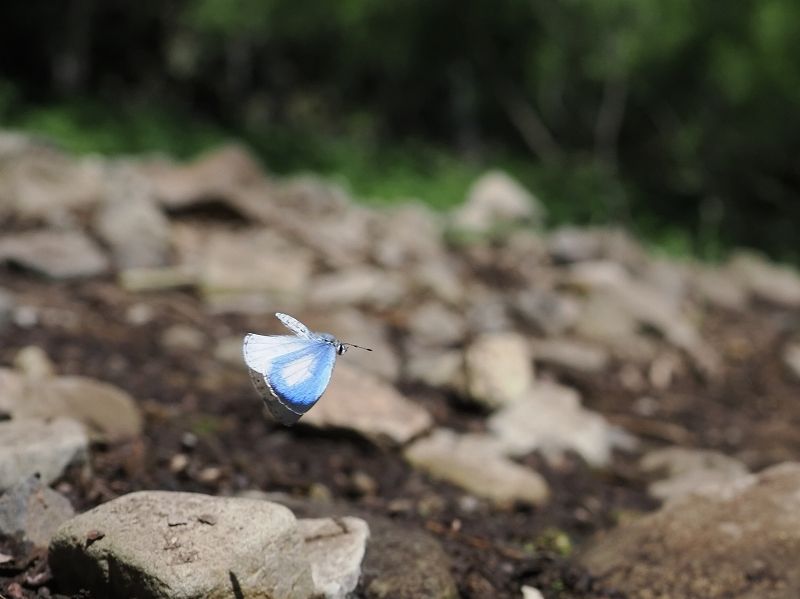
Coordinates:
[300,395]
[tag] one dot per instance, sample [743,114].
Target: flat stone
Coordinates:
[476,463]
[255,264]
[740,539]
[496,199]
[31,446]
[442,369]
[165,545]
[572,354]
[54,254]
[358,401]
[499,368]
[684,470]
[357,286]
[108,412]
[34,511]
[335,547]
[770,282]
[550,418]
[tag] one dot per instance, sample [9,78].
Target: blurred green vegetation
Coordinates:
[676,118]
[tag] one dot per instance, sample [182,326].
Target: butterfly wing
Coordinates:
[294,325]
[290,373]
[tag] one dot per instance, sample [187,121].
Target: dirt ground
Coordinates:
[204,410]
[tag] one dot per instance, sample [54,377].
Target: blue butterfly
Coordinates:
[291,372]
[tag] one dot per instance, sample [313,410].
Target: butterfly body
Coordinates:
[291,372]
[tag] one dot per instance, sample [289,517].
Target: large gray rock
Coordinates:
[162,545]
[550,418]
[476,463]
[571,353]
[335,547]
[407,233]
[33,511]
[132,224]
[107,411]
[54,254]
[499,368]
[359,401]
[740,539]
[433,324]
[31,446]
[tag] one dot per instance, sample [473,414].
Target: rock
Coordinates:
[476,463]
[33,446]
[357,286]
[54,254]
[33,510]
[131,223]
[432,324]
[436,368]
[33,362]
[572,354]
[769,282]
[496,199]
[401,561]
[740,539]
[335,547]
[551,419]
[404,563]
[791,358]
[213,176]
[487,311]
[684,470]
[182,337]
[358,401]
[551,313]
[531,593]
[407,233]
[39,182]
[572,244]
[499,369]
[718,288]
[108,412]
[439,278]
[158,544]
[252,270]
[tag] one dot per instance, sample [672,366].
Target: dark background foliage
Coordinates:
[678,118]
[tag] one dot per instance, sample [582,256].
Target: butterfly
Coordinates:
[291,372]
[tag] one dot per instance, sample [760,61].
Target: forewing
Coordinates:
[298,379]
[294,325]
[261,350]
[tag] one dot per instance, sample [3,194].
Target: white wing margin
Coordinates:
[260,350]
[294,325]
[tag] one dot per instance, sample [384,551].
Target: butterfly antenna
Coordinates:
[358,346]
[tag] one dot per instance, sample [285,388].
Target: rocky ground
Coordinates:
[554,415]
